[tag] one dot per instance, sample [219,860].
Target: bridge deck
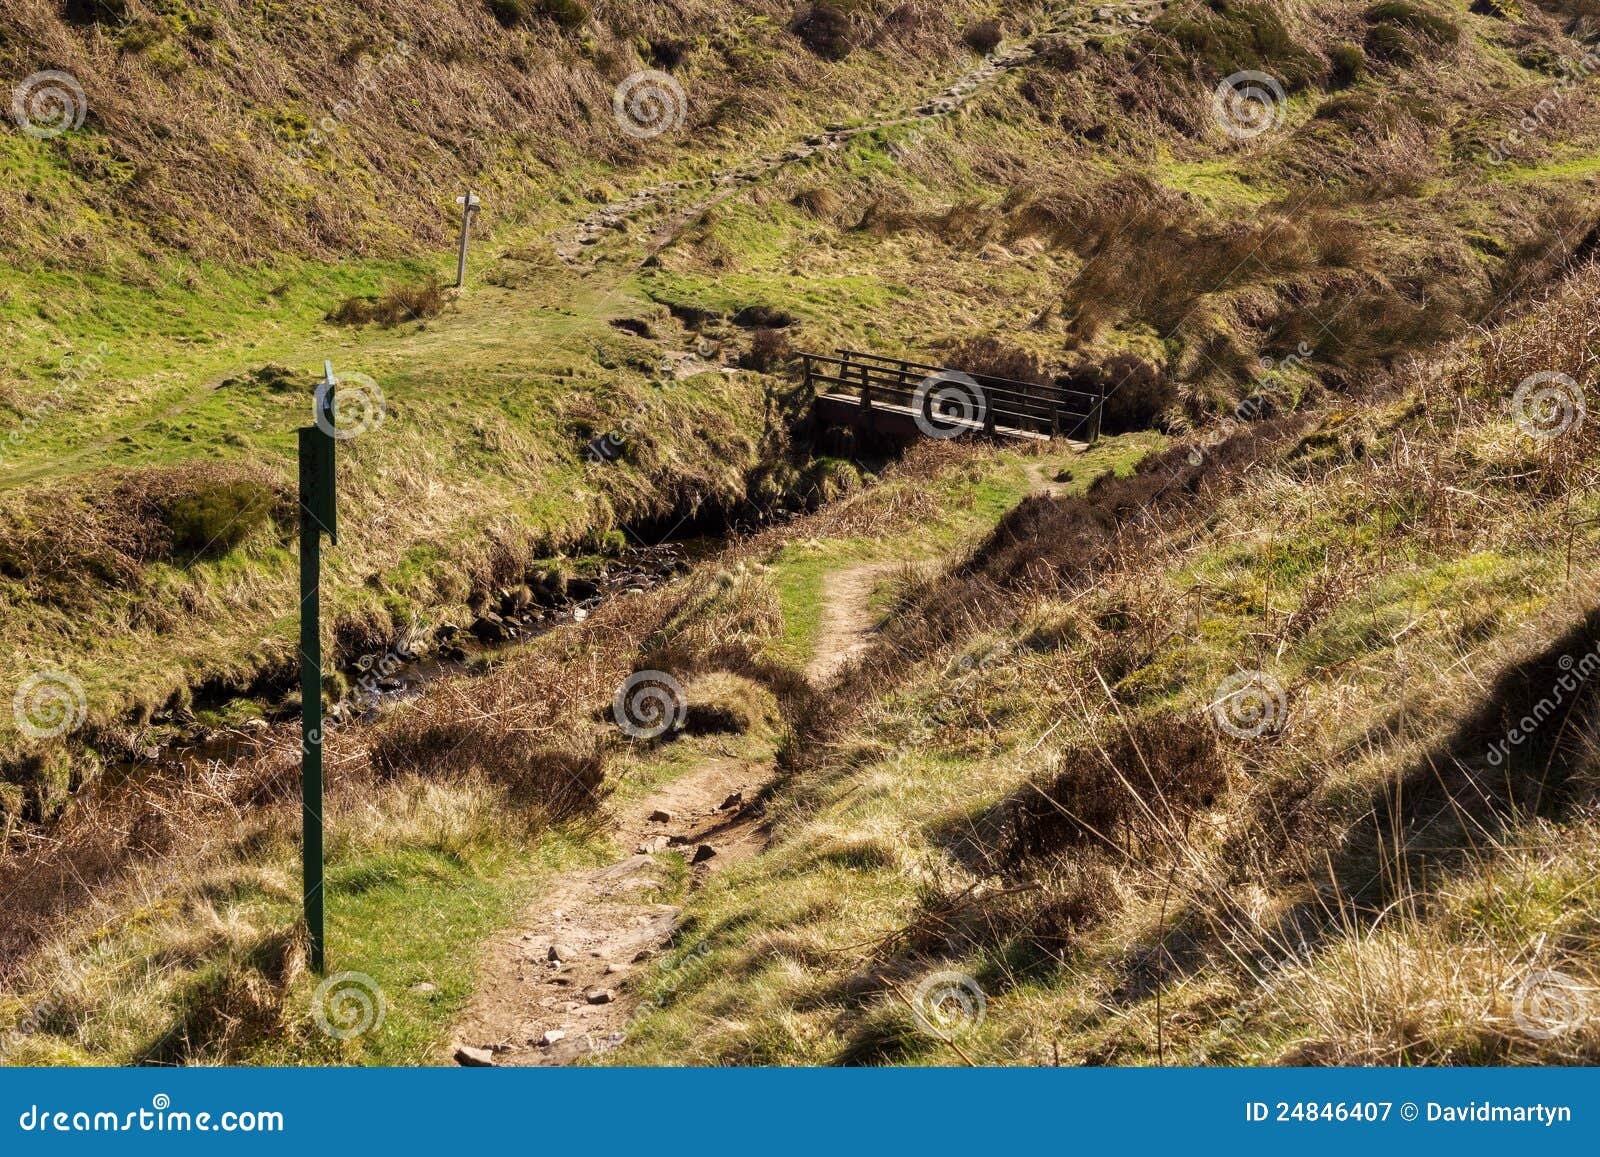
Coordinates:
[844,408]
[898,397]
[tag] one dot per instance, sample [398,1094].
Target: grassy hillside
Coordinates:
[1313,313]
[1089,209]
[161,922]
[166,370]
[238,132]
[1277,751]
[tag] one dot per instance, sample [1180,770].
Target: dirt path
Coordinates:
[693,198]
[847,619]
[1047,480]
[848,622]
[556,987]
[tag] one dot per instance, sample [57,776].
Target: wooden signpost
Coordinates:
[469,205]
[317,517]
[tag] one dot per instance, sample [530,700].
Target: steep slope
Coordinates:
[237,132]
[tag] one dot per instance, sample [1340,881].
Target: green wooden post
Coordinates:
[317,517]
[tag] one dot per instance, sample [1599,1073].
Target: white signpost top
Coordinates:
[471,200]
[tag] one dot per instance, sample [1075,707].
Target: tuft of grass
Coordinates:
[397,306]
[720,703]
[826,28]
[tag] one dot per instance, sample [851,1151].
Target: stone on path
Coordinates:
[470,1058]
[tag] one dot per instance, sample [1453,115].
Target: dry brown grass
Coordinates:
[396,306]
[719,703]
[1366,885]
[1135,795]
[984,36]
[341,142]
[62,540]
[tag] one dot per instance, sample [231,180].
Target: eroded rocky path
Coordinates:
[562,983]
